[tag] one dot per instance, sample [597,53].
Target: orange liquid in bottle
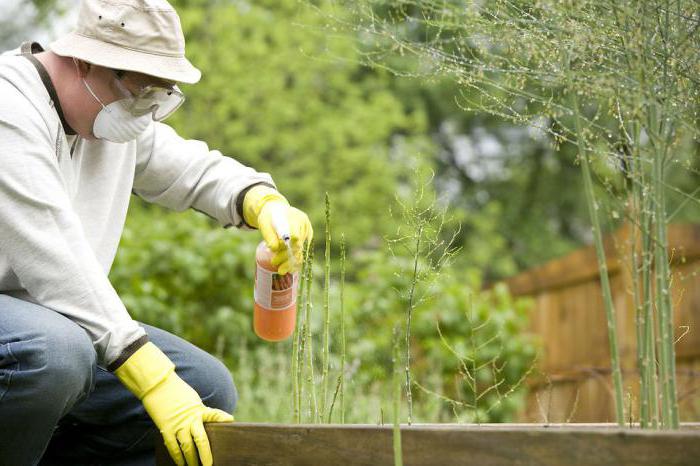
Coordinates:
[275,298]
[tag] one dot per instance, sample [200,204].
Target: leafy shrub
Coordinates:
[185,274]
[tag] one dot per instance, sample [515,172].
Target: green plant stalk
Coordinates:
[647,94]
[295,382]
[649,340]
[409,313]
[639,327]
[335,397]
[342,329]
[650,408]
[648,370]
[675,417]
[661,146]
[301,359]
[645,325]
[301,364]
[302,370]
[602,263]
[474,356]
[640,269]
[298,341]
[660,304]
[663,298]
[310,379]
[396,390]
[326,311]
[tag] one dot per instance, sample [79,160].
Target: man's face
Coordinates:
[109,86]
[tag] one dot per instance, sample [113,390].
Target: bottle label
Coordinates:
[274,291]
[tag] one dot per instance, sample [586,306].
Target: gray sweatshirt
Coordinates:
[64,199]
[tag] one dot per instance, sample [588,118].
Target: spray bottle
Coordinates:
[275,295]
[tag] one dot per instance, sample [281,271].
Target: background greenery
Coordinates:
[287,94]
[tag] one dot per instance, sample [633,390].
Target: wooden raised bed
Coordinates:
[450,444]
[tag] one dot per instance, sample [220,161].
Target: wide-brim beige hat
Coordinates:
[133,35]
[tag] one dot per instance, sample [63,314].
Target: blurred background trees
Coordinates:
[282,93]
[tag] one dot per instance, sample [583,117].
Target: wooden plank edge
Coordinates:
[485,427]
[447,444]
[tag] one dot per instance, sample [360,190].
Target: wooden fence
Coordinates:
[572,380]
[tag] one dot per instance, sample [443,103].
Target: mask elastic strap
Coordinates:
[93,94]
[87,86]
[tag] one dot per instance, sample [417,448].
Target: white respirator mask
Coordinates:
[115,123]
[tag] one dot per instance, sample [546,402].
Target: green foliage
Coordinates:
[377,305]
[501,62]
[187,275]
[615,80]
[491,355]
[273,99]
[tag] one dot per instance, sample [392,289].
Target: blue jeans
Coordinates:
[58,408]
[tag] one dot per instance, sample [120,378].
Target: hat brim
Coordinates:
[178,69]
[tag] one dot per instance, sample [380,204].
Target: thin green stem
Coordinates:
[301,327]
[664,303]
[640,268]
[409,314]
[659,129]
[310,379]
[342,329]
[335,397]
[296,343]
[602,265]
[474,379]
[396,385]
[650,344]
[326,311]
[639,327]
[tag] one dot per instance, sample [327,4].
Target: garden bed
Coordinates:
[450,444]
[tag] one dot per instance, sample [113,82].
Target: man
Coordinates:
[80,130]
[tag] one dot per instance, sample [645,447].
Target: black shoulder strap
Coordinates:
[29,48]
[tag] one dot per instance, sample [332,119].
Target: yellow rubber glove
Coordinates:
[174,406]
[258,207]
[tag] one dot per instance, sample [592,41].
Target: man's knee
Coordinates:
[74,357]
[58,364]
[210,378]
[214,384]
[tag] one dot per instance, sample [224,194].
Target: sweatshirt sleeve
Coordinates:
[43,238]
[181,174]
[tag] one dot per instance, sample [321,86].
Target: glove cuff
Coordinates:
[254,201]
[144,370]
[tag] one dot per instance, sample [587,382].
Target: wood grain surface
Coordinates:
[445,445]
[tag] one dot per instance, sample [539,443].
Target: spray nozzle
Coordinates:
[281,226]
[279,222]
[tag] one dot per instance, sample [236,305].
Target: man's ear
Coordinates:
[82,67]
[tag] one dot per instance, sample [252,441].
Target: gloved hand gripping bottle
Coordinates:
[275,295]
